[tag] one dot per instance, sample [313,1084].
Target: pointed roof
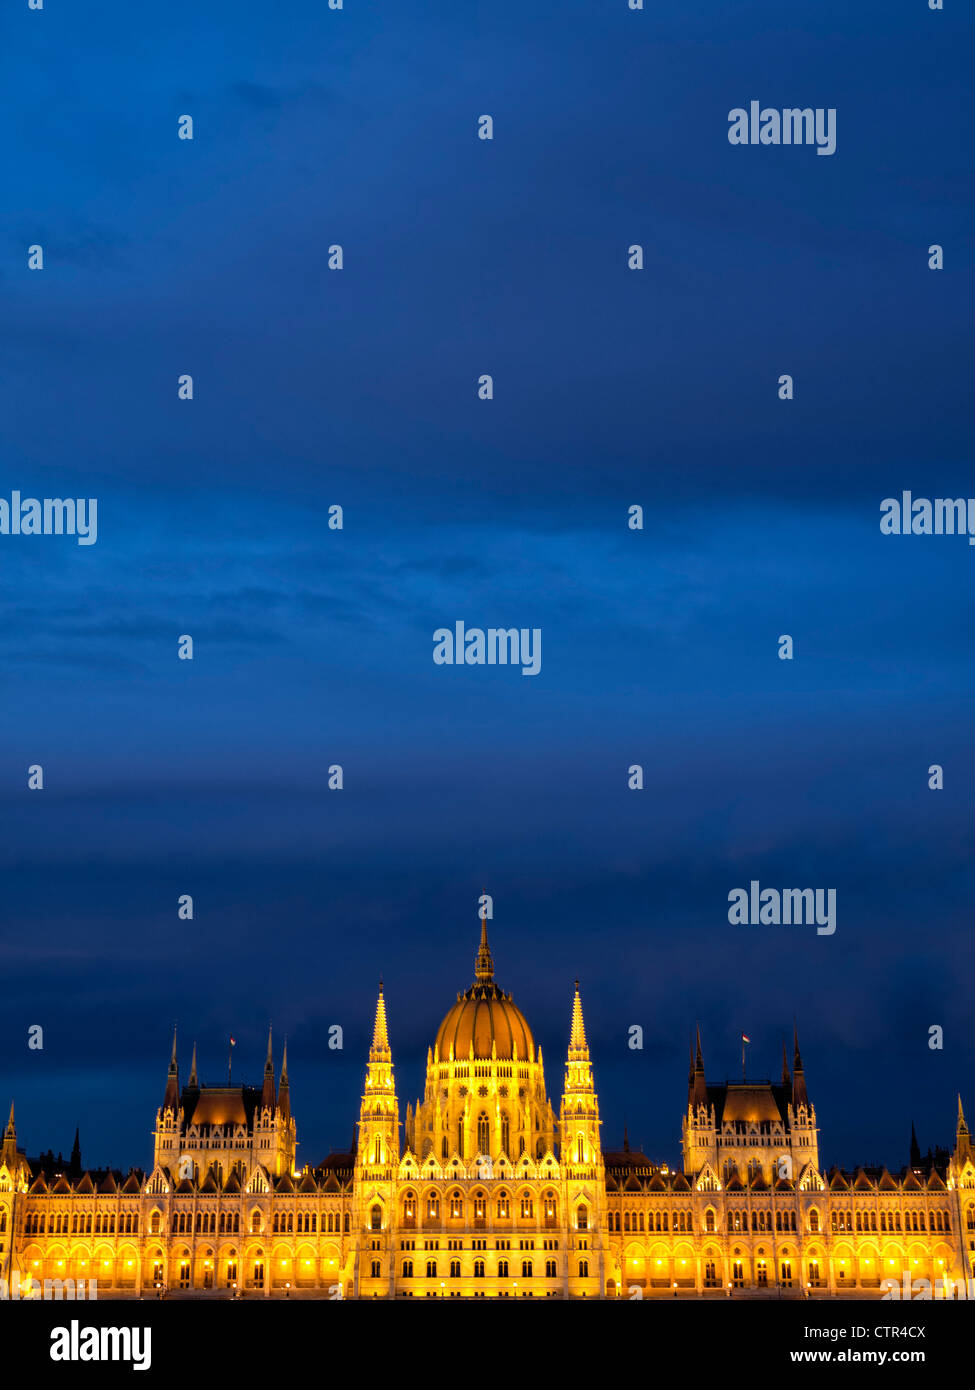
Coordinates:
[284,1090]
[698,1089]
[171,1097]
[484,963]
[268,1097]
[786,1078]
[577,1034]
[194,1079]
[799,1093]
[380,1050]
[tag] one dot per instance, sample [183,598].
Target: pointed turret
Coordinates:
[284,1090]
[577,1034]
[74,1165]
[268,1098]
[579,1115]
[380,1050]
[698,1089]
[799,1094]
[963,1140]
[484,964]
[378,1144]
[171,1098]
[8,1154]
[194,1080]
[786,1078]
[915,1148]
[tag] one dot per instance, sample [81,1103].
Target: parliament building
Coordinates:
[487,1190]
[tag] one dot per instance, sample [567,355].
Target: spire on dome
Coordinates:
[380,1036]
[484,964]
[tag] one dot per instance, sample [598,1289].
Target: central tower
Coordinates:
[485,1082]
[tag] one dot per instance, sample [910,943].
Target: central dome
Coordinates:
[485,1017]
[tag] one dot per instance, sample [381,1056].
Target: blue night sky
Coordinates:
[313,646]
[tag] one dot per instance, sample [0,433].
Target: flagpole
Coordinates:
[230,1062]
[743,1060]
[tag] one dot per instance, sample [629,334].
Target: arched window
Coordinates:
[504,1205]
[456,1204]
[527,1206]
[582,1217]
[483,1134]
[377,1153]
[376,1217]
[460,1137]
[814,1221]
[580,1150]
[505,1133]
[709,1219]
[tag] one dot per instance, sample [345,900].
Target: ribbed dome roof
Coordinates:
[486,1017]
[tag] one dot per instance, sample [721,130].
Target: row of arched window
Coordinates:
[428,1209]
[503,1272]
[39,1223]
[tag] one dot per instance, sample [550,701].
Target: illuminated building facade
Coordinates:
[489,1192]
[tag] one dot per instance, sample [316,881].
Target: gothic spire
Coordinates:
[380,1050]
[268,1098]
[786,1078]
[484,964]
[799,1093]
[284,1090]
[194,1079]
[698,1089]
[577,1035]
[8,1151]
[171,1098]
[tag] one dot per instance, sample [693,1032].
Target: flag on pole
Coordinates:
[230,1058]
[744,1038]
[233,1042]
